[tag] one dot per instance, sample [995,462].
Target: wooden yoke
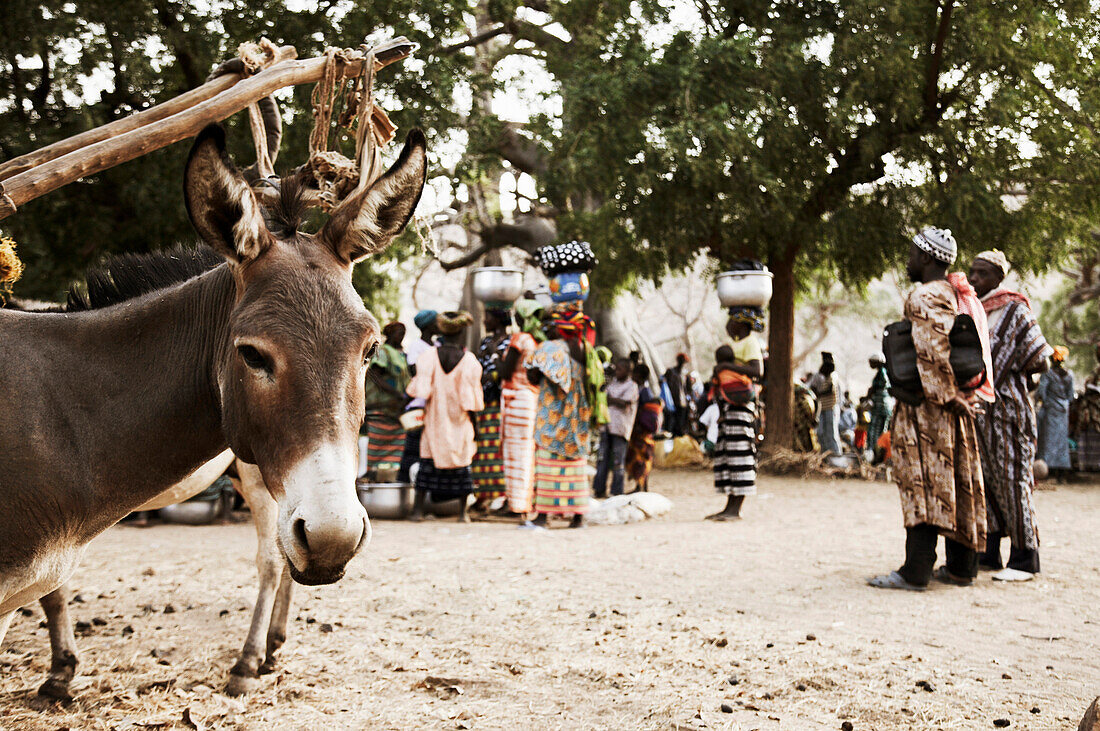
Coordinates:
[35,174]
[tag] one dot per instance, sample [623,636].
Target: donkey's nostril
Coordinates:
[300,533]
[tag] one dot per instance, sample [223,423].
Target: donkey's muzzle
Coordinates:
[319,553]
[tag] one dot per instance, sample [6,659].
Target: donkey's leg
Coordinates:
[62,645]
[269,566]
[276,631]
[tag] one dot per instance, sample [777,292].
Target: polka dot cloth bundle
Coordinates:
[576,256]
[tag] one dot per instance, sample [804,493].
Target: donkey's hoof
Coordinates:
[56,689]
[269,666]
[241,685]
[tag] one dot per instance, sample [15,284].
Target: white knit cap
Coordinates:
[938,243]
[997,258]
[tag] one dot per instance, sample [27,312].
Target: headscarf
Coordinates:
[997,258]
[529,315]
[424,318]
[1061,352]
[451,323]
[938,243]
[572,323]
[751,316]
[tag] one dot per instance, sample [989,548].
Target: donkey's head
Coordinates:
[291,368]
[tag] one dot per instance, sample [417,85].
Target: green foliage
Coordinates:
[831,130]
[1077,327]
[100,60]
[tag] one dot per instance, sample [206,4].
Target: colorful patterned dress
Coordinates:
[385,437]
[519,402]
[642,447]
[488,465]
[561,432]
[935,453]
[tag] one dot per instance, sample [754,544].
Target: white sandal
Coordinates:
[1013,575]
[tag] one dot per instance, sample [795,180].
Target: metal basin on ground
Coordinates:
[745,288]
[193,512]
[386,500]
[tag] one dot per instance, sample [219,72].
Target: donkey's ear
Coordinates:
[220,203]
[365,223]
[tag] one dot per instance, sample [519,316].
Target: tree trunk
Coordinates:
[779,398]
[611,330]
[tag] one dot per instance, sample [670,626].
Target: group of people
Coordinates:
[963,453]
[827,420]
[518,418]
[512,423]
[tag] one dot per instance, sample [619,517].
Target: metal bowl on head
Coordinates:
[745,288]
[498,284]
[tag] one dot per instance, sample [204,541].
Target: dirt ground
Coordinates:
[654,625]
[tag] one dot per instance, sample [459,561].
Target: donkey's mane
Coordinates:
[127,276]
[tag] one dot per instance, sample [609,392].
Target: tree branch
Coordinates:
[527,233]
[541,37]
[474,40]
[166,14]
[41,92]
[935,59]
[523,154]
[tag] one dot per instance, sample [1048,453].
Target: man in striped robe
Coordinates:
[1007,430]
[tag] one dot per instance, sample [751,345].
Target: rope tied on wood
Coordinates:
[256,56]
[336,175]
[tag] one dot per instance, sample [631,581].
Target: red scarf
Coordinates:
[999,298]
[573,324]
[968,303]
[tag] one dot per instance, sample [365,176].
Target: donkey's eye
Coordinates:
[371,352]
[254,359]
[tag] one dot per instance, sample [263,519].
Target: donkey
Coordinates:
[266,354]
[267,630]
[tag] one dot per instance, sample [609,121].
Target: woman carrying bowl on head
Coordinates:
[733,389]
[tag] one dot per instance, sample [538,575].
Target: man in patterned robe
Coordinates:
[935,446]
[1007,431]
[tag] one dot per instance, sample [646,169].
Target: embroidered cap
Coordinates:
[997,258]
[938,243]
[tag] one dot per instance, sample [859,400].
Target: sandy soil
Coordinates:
[654,625]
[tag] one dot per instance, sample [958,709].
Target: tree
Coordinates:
[1072,316]
[817,136]
[67,66]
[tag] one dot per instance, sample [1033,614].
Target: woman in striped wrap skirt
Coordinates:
[735,450]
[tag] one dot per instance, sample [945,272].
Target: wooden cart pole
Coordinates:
[135,121]
[60,171]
